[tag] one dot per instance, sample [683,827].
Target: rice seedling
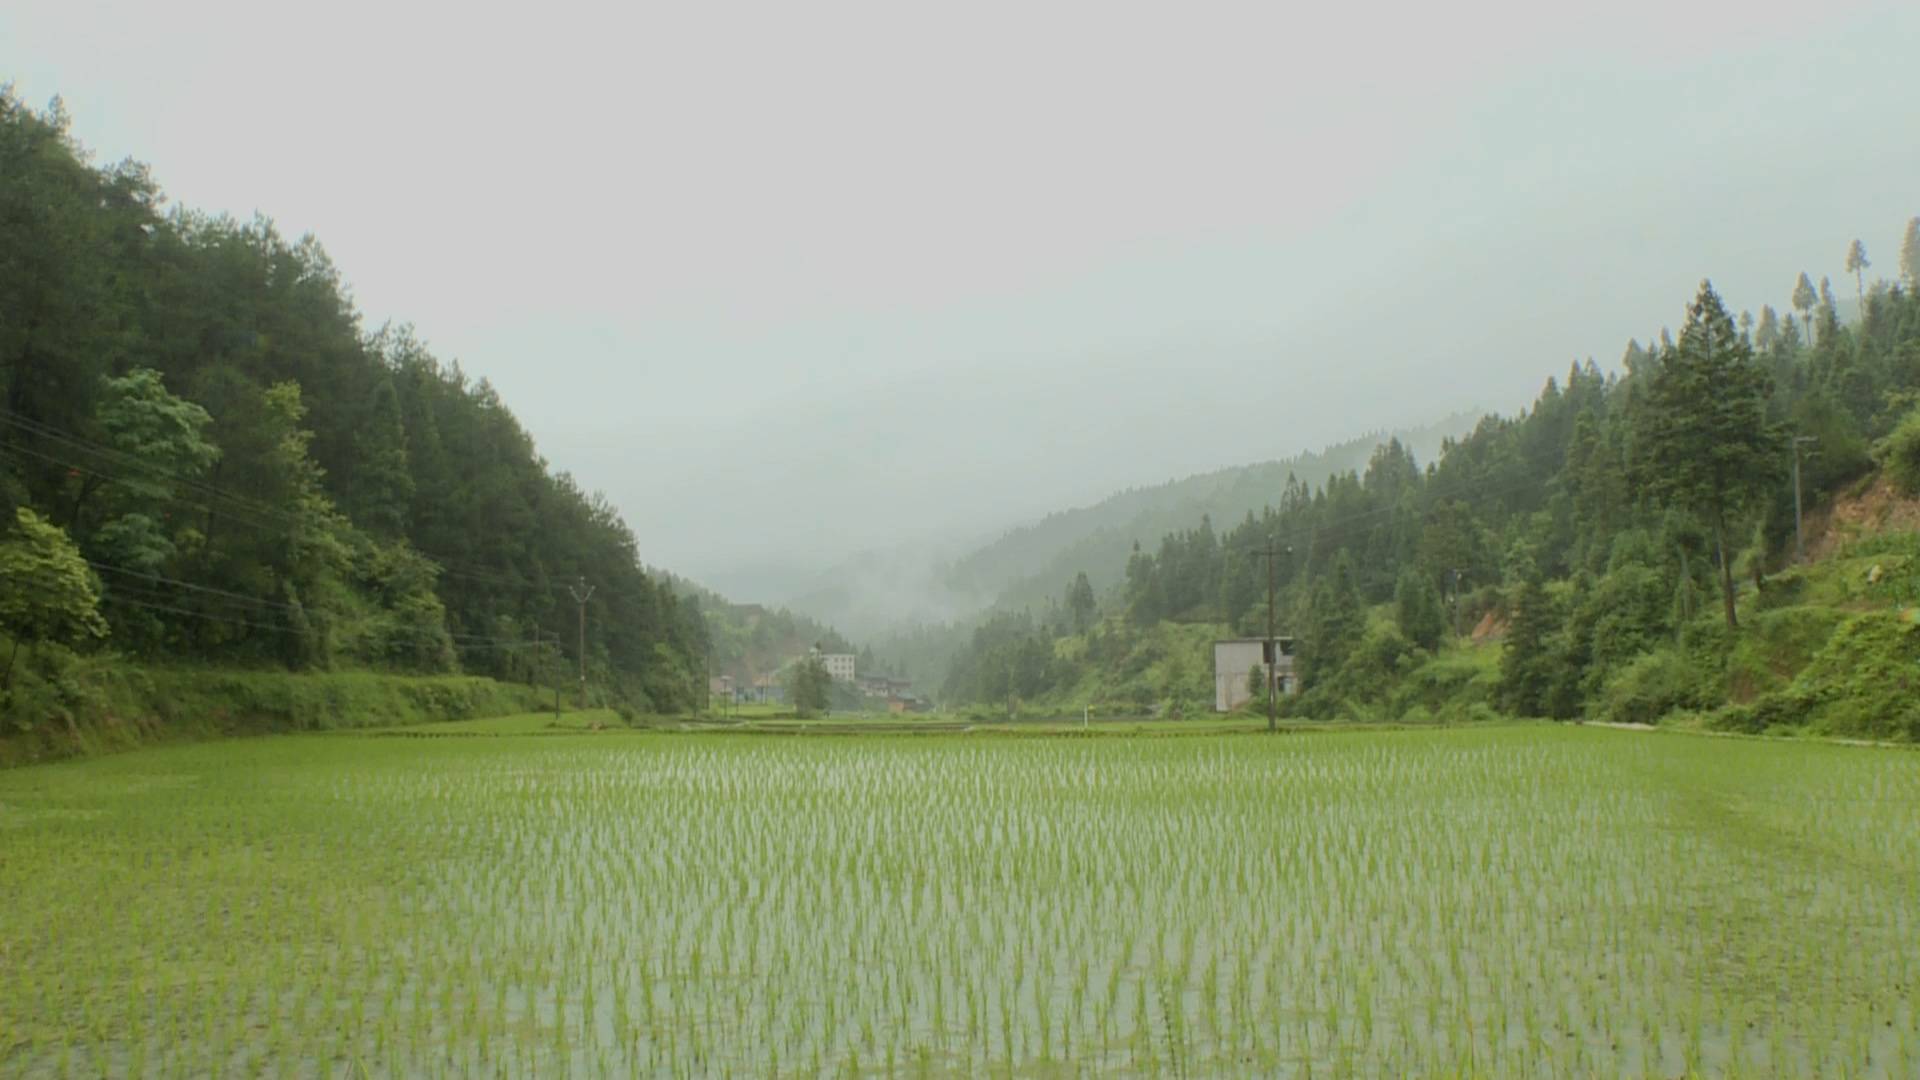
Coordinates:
[1520,901]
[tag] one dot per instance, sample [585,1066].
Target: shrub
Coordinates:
[1865,682]
[1769,712]
[1652,686]
[1899,455]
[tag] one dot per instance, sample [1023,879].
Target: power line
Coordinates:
[456,639]
[117,597]
[257,601]
[241,518]
[254,510]
[85,445]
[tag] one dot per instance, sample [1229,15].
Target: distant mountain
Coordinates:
[1033,562]
[878,593]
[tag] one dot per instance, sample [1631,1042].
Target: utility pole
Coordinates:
[557,662]
[1456,602]
[1271,552]
[1010,684]
[1799,539]
[582,592]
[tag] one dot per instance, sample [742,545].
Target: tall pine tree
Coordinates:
[1708,446]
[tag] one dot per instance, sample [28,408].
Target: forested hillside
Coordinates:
[206,457]
[751,639]
[1629,542]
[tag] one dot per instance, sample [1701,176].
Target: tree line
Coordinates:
[192,412]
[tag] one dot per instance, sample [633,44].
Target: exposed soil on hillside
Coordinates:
[1877,508]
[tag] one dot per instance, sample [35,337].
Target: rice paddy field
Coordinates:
[1526,901]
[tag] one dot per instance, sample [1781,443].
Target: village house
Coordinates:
[839,665]
[765,689]
[1236,659]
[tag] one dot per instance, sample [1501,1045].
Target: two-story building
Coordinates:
[1235,661]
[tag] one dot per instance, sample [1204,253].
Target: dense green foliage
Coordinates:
[1590,533]
[1900,455]
[257,480]
[1522,901]
[46,591]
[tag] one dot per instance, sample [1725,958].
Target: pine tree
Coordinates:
[1803,300]
[1336,620]
[1857,265]
[1417,610]
[380,486]
[1080,602]
[1766,330]
[1829,314]
[1708,446]
[1910,255]
[1527,662]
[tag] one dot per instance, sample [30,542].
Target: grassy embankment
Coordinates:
[101,704]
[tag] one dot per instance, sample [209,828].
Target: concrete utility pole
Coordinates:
[582,592]
[1799,539]
[557,659]
[1010,681]
[1271,552]
[1456,602]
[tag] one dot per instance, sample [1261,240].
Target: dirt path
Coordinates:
[1877,744]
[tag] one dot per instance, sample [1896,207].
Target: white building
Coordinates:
[839,665]
[1235,659]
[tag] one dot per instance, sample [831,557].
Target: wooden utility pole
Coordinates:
[582,592]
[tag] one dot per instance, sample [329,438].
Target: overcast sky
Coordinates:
[788,281]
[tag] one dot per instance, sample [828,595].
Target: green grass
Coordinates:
[1518,901]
